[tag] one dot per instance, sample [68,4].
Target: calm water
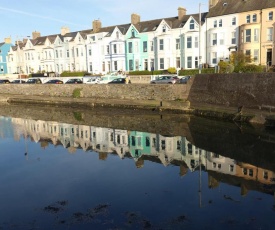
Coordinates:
[57,175]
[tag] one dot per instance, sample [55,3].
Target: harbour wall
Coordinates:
[254,91]
[102,91]
[205,94]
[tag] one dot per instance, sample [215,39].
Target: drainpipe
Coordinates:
[260,38]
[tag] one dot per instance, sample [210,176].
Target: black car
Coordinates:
[54,81]
[4,81]
[184,79]
[33,81]
[118,81]
[74,81]
[18,81]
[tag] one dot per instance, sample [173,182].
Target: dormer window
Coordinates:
[133,33]
[233,21]
[163,29]
[248,18]
[192,24]
[270,16]
[220,23]
[215,24]
[93,38]
[254,18]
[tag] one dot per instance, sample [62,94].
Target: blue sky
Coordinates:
[19,18]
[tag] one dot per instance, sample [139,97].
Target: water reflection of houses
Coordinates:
[143,146]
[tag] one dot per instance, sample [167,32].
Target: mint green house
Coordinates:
[136,49]
[139,143]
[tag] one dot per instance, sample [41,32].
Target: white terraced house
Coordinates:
[184,42]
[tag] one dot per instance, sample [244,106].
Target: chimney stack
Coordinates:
[135,19]
[65,30]
[7,40]
[36,34]
[181,13]
[96,25]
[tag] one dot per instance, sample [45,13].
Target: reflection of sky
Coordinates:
[6,130]
[153,193]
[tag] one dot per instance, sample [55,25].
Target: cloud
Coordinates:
[38,16]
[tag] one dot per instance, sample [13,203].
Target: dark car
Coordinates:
[54,81]
[118,81]
[4,81]
[33,81]
[74,81]
[18,81]
[184,79]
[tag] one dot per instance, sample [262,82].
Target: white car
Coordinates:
[95,80]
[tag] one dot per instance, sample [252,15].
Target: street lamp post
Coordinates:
[18,60]
[200,19]
[199,38]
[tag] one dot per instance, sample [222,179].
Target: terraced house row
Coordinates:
[184,41]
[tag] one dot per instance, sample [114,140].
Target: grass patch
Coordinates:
[77,93]
[78,116]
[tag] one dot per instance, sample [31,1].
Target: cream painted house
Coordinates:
[257,35]
[254,26]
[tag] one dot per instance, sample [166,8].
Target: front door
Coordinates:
[269,57]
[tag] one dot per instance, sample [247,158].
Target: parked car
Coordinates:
[4,81]
[184,79]
[93,80]
[165,80]
[89,79]
[54,81]
[74,81]
[18,81]
[118,81]
[33,81]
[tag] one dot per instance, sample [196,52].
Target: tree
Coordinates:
[239,60]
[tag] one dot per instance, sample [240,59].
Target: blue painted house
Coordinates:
[4,49]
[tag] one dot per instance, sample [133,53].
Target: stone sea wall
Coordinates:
[209,95]
[127,92]
[255,91]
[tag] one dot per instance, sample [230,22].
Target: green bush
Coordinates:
[250,68]
[172,70]
[72,74]
[195,71]
[225,67]
[146,72]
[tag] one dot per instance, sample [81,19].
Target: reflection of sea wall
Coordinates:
[149,121]
[245,144]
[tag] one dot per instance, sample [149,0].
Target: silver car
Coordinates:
[165,80]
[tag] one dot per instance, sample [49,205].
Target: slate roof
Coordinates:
[143,26]
[173,22]
[225,7]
